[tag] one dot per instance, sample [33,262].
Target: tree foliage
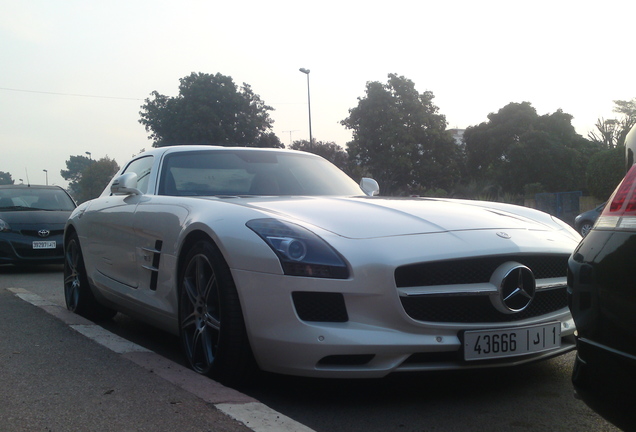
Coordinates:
[517,147]
[210,109]
[328,150]
[95,178]
[400,139]
[75,165]
[605,171]
[611,133]
[5,178]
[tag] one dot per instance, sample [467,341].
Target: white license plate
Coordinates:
[509,342]
[44,244]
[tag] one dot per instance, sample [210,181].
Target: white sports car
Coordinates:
[275,259]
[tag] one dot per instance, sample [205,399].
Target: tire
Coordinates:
[586,227]
[211,324]
[77,292]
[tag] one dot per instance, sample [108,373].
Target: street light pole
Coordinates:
[47,176]
[89,155]
[306,72]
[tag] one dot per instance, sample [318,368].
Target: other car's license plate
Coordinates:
[44,244]
[509,342]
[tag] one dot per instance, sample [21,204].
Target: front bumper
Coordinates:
[375,337]
[18,249]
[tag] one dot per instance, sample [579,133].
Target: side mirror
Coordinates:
[369,186]
[125,184]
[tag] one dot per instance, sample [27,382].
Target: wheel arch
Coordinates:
[190,240]
[68,231]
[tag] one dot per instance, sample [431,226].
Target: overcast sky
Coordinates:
[75,73]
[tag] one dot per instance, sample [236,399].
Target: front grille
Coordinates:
[479,309]
[34,233]
[476,270]
[467,308]
[320,306]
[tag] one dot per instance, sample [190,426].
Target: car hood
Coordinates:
[14,218]
[381,217]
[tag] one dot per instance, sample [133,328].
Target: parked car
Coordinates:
[275,259]
[584,222]
[32,220]
[603,303]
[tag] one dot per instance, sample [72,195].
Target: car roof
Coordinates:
[29,186]
[199,147]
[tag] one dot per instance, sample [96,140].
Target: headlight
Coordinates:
[4,226]
[301,252]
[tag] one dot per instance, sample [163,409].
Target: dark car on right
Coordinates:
[602,298]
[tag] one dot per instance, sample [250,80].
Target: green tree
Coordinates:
[328,150]
[605,171]
[210,109]
[95,178]
[611,133]
[517,147]
[75,165]
[400,139]
[5,178]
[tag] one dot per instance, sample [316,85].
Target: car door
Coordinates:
[112,240]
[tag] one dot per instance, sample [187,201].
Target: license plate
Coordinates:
[500,343]
[44,244]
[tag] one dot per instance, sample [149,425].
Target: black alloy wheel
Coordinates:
[77,293]
[211,324]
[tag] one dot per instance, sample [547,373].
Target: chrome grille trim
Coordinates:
[477,289]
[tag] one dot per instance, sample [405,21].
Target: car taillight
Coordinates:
[620,212]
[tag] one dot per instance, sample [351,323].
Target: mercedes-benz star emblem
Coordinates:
[515,287]
[44,233]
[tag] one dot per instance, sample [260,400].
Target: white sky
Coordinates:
[475,56]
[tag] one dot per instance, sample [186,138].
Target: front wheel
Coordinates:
[586,227]
[211,323]
[77,293]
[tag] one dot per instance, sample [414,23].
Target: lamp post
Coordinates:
[89,155]
[306,72]
[47,176]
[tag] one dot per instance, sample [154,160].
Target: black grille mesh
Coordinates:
[320,307]
[476,270]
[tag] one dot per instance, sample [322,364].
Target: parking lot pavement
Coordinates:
[60,372]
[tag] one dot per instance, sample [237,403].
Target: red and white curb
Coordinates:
[253,414]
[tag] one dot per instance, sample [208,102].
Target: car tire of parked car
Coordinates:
[77,292]
[585,228]
[211,324]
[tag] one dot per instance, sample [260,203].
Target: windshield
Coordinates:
[33,198]
[252,172]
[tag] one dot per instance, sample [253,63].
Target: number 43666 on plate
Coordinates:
[509,342]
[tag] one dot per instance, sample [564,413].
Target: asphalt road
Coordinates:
[535,397]
[57,380]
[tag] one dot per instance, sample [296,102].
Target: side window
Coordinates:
[142,168]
